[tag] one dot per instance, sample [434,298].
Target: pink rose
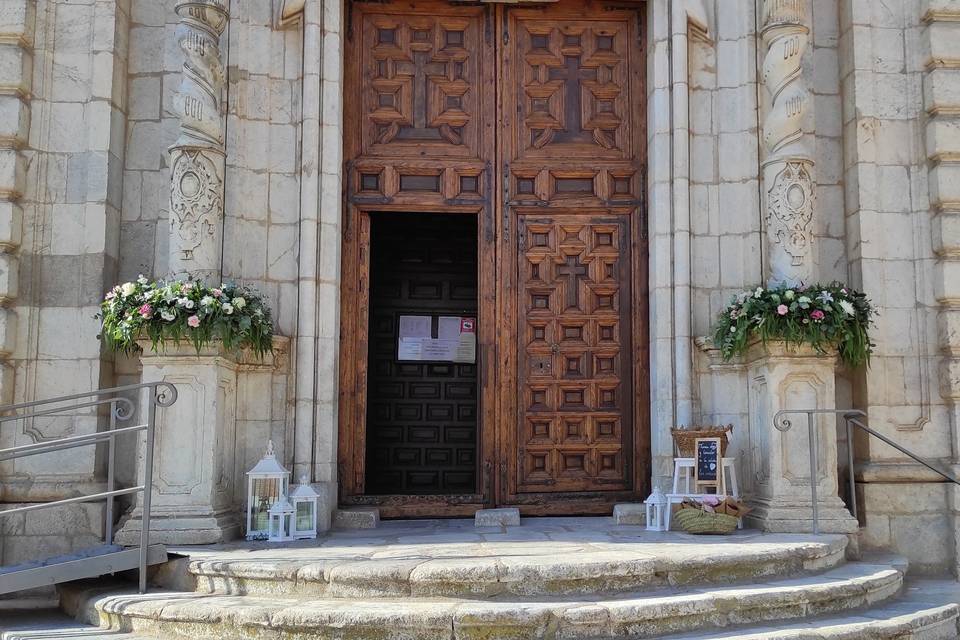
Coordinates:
[783,309]
[146,311]
[193,321]
[216,293]
[111,295]
[818,315]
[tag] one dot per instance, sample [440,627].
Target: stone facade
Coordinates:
[861,119]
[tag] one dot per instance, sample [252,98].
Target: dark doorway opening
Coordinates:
[422,436]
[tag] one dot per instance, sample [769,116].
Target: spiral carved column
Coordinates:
[788,167]
[198,157]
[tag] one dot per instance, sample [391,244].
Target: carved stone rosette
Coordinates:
[788,168]
[198,157]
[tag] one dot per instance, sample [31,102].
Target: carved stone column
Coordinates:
[788,167]
[198,158]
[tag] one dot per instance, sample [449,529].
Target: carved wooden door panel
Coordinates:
[419,116]
[572,112]
[574,362]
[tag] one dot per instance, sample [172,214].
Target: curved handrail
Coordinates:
[850,417]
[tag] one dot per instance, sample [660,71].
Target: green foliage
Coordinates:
[185,311]
[826,317]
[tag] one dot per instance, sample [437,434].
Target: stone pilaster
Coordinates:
[16,69]
[788,168]
[783,378]
[198,157]
[942,104]
[194,451]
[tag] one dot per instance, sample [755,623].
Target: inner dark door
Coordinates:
[421,415]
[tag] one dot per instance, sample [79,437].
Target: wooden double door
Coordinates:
[529,118]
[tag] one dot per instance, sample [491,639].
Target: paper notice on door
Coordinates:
[456,340]
[467,341]
[416,327]
[449,328]
[411,349]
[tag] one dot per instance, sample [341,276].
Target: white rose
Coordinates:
[206,301]
[239,302]
[127,289]
[227,309]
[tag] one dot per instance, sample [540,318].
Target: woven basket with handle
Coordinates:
[701,522]
[685,440]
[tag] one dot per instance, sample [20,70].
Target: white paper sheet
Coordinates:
[415,326]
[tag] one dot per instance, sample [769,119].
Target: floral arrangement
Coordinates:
[822,316]
[185,310]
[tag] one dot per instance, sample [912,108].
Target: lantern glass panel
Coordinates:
[304,516]
[266,491]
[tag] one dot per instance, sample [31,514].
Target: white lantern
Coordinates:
[280,521]
[656,511]
[267,482]
[304,500]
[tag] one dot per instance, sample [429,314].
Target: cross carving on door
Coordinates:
[421,69]
[574,271]
[573,76]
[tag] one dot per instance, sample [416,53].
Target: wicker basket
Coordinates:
[701,522]
[685,440]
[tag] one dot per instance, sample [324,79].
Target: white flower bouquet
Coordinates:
[826,317]
[184,310]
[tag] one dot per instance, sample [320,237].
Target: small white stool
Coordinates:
[683,467]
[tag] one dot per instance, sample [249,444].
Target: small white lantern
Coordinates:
[304,500]
[656,511]
[281,521]
[267,482]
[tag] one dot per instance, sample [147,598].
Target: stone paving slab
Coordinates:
[548,556]
[641,615]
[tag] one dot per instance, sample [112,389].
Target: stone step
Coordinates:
[928,610]
[642,615]
[581,565]
[51,624]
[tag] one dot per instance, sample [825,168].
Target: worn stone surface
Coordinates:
[357,518]
[544,556]
[633,513]
[497,518]
[634,615]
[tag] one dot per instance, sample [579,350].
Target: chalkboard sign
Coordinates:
[707,471]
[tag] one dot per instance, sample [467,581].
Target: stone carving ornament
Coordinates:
[196,200]
[790,212]
[788,168]
[198,157]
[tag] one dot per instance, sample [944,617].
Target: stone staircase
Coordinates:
[550,578]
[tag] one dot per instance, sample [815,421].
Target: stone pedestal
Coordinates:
[192,499]
[782,377]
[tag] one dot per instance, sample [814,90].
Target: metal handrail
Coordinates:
[783,424]
[161,394]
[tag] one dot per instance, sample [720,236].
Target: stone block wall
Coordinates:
[71,179]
